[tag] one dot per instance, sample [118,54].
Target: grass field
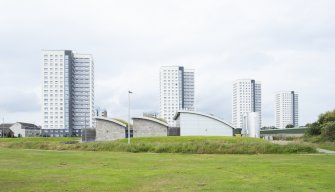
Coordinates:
[41,170]
[191,145]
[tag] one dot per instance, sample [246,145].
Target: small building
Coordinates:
[199,124]
[61,132]
[283,133]
[5,130]
[149,127]
[25,130]
[109,129]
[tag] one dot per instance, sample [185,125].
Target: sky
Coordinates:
[286,45]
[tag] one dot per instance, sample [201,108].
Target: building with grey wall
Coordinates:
[109,129]
[5,130]
[25,130]
[68,90]
[149,127]
[61,133]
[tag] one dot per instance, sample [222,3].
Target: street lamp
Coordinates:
[85,128]
[129,92]
[3,127]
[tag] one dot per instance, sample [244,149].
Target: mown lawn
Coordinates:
[39,170]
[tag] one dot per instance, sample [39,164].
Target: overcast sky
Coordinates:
[286,44]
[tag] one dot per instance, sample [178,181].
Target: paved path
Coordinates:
[281,142]
[325,151]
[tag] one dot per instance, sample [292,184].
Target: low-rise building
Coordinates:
[5,130]
[109,129]
[149,127]
[61,133]
[25,130]
[199,124]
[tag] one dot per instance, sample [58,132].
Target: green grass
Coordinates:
[83,171]
[39,139]
[319,142]
[199,145]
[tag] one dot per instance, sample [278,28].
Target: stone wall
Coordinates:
[108,130]
[147,128]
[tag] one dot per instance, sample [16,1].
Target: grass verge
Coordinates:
[319,142]
[190,145]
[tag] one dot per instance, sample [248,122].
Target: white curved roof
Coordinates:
[112,120]
[152,119]
[205,115]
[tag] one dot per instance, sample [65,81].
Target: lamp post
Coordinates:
[85,128]
[3,127]
[129,92]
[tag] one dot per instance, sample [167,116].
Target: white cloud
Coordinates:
[287,45]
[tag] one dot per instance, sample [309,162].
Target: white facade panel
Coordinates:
[196,124]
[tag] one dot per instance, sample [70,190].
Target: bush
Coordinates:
[323,129]
[327,117]
[328,131]
[314,129]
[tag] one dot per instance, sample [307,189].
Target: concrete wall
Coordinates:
[199,125]
[148,128]
[109,130]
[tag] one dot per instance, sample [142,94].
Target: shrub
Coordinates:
[329,116]
[323,128]
[313,129]
[328,131]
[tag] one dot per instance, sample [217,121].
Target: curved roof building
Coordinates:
[109,129]
[200,124]
[149,127]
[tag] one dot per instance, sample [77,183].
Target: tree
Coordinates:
[289,126]
[323,127]
[329,116]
